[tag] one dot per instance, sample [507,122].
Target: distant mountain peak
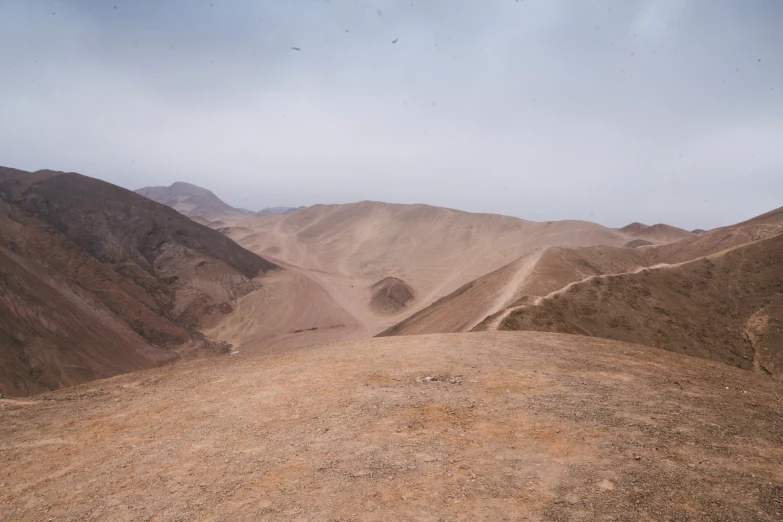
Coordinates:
[195,201]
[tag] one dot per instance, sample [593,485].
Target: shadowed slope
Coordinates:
[100,280]
[390,295]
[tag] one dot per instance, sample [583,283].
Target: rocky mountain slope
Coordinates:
[726,307]
[98,280]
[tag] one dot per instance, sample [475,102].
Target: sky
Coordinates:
[608,111]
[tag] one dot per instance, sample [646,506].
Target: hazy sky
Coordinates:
[610,111]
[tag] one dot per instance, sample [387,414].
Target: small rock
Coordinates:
[638,457]
[405,498]
[2,485]
[428,379]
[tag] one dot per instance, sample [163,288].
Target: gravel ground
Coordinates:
[481,426]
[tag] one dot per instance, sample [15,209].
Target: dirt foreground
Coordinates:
[482,426]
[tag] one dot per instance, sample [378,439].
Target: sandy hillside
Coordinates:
[432,251]
[726,307]
[543,271]
[489,426]
[288,309]
[719,239]
[550,269]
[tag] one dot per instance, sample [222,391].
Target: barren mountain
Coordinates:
[274,211]
[488,426]
[657,234]
[538,273]
[487,300]
[719,239]
[98,280]
[634,228]
[193,201]
[347,249]
[726,307]
[199,203]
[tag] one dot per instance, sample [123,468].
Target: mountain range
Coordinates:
[379,361]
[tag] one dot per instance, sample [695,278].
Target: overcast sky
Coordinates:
[609,111]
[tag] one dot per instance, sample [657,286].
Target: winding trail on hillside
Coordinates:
[496,323]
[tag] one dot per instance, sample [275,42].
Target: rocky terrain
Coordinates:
[725,307]
[98,280]
[484,426]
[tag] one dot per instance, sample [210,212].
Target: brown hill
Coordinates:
[636,243]
[346,249]
[193,201]
[390,295]
[720,239]
[538,273]
[486,301]
[659,234]
[726,307]
[634,228]
[99,280]
[488,426]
